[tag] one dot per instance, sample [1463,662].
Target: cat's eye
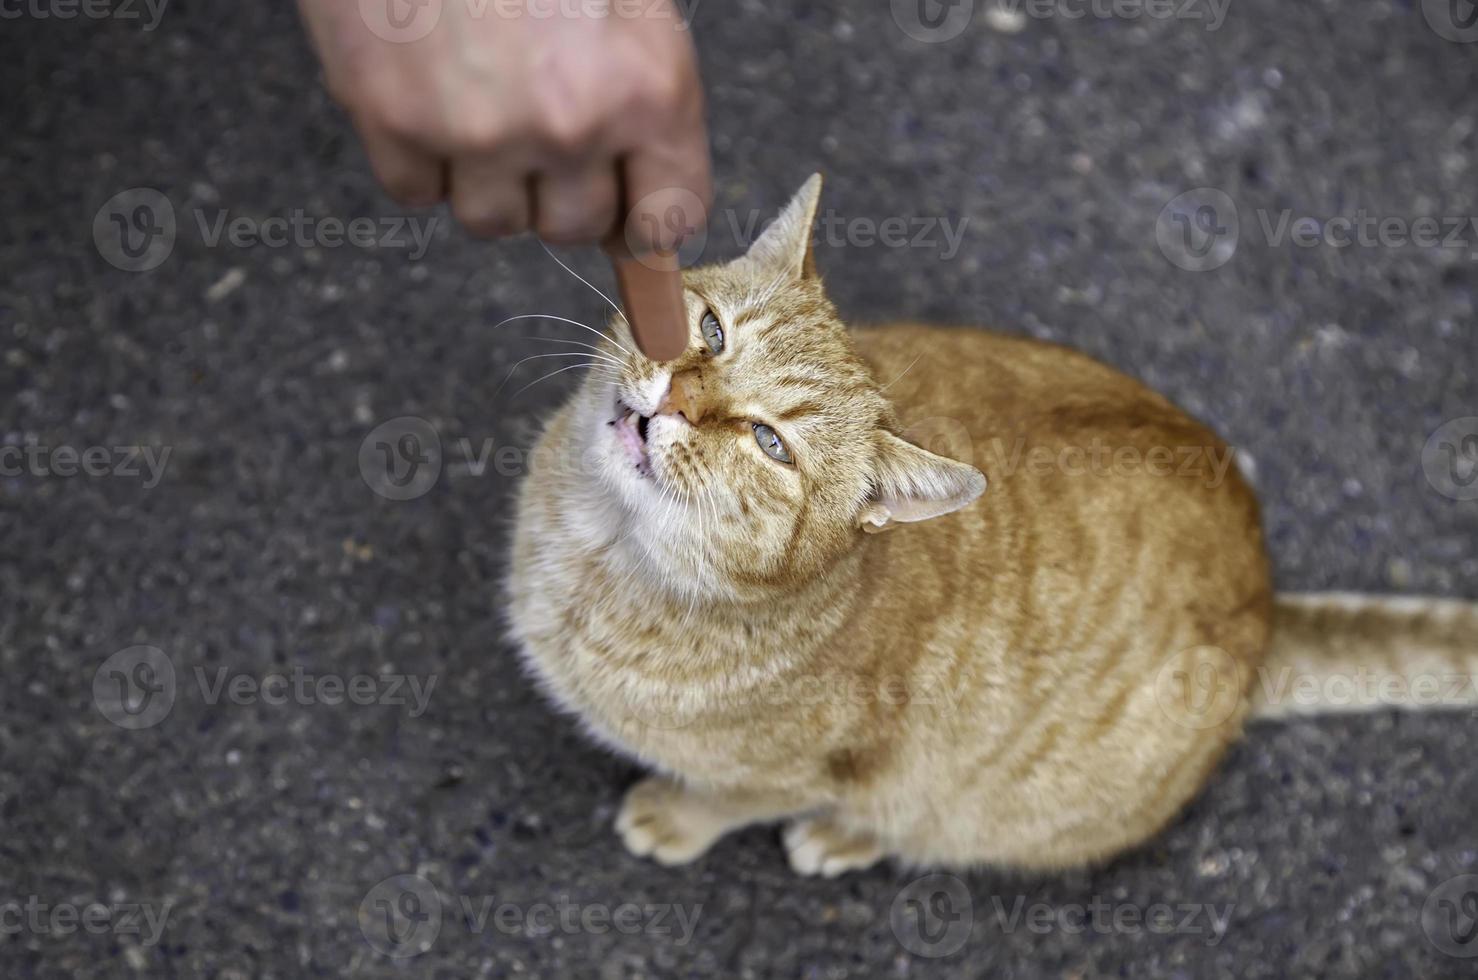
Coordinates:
[770,442]
[713,334]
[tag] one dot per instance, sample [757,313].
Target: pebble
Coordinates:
[1006,20]
[226,285]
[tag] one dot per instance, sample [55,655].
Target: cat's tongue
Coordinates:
[629,432]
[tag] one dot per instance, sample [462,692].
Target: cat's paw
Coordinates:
[659,819]
[816,845]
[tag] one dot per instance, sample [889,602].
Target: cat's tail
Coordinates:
[1341,652]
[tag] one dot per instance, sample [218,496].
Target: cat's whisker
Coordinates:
[565,319]
[577,275]
[551,374]
[903,372]
[574,343]
[535,357]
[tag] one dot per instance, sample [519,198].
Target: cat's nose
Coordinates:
[682,397]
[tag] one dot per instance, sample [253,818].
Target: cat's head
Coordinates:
[765,451]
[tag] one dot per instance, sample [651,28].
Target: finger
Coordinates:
[412,176]
[577,205]
[489,199]
[668,189]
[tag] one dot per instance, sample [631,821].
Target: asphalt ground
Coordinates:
[238,833]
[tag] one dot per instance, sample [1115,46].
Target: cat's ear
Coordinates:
[785,246]
[913,484]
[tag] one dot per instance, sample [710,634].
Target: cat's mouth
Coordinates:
[631,432]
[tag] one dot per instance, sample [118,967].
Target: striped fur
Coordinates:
[1342,652]
[1041,677]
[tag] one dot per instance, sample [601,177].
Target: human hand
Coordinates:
[583,126]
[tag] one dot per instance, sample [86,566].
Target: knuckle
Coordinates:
[407,189]
[389,107]
[478,130]
[488,222]
[570,230]
[667,85]
[568,130]
[401,118]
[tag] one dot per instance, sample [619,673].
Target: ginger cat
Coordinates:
[1038,677]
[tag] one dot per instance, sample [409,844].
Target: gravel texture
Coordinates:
[260,830]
